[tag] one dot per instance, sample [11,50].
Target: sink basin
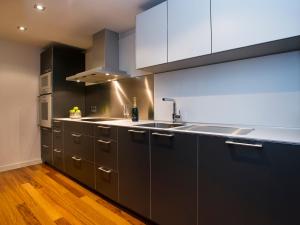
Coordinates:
[161,125]
[217,129]
[97,119]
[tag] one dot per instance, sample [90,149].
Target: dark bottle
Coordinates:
[135,111]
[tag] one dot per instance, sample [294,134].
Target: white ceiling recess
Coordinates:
[70,22]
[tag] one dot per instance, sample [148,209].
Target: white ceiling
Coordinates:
[70,22]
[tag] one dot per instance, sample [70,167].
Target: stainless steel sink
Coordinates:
[161,125]
[217,129]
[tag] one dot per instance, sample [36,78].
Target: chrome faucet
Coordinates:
[175,116]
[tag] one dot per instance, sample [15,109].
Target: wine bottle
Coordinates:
[135,111]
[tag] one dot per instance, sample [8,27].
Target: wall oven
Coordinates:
[46,83]
[45,110]
[45,100]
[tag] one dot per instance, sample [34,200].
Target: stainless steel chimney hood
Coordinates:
[102,60]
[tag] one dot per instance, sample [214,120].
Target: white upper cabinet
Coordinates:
[189,30]
[240,23]
[151,36]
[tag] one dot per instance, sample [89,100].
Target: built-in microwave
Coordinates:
[46,83]
[45,110]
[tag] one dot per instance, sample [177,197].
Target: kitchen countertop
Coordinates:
[274,134]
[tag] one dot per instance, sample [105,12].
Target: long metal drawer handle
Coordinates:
[76,159]
[244,144]
[162,135]
[104,142]
[55,121]
[104,170]
[56,131]
[137,131]
[103,127]
[45,146]
[76,135]
[58,151]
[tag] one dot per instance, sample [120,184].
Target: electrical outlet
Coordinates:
[93,109]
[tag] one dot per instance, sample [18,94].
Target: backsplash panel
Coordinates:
[110,98]
[263,91]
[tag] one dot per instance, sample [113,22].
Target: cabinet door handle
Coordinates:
[162,135]
[76,159]
[104,170]
[45,146]
[137,131]
[104,142]
[244,144]
[55,150]
[103,127]
[76,135]
[56,131]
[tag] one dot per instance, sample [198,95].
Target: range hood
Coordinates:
[102,60]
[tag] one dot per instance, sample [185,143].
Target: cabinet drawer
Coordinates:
[80,169]
[58,159]
[104,131]
[80,145]
[106,153]
[57,124]
[57,139]
[46,153]
[106,182]
[79,127]
[46,136]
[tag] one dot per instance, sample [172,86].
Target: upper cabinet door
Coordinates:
[238,23]
[151,36]
[189,30]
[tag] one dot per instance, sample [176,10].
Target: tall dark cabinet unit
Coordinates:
[65,62]
[61,61]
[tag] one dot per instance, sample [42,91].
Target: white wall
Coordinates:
[19,133]
[260,91]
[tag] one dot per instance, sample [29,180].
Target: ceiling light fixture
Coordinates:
[107,74]
[39,7]
[22,28]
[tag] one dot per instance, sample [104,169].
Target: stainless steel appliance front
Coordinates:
[45,110]
[46,83]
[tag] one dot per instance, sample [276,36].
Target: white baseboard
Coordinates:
[20,164]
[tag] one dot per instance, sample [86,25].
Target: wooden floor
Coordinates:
[40,195]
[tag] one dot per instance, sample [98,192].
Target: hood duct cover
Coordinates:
[102,60]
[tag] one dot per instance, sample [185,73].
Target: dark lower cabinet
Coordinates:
[46,145]
[106,182]
[191,180]
[285,183]
[80,169]
[247,184]
[134,170]
[173,178]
